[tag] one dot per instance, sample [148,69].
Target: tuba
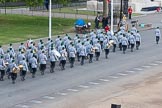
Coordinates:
[16,70]
[110,44]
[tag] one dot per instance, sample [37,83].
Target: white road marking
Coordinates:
[105,80]
[82,86]
[36,101]
[63,94]
[139,69]
[159,62]
[153,64]
[93,83]
[113,77]
[22,106]
[122,74]
[49,97]
[73,90]
[146,66]
[130,71]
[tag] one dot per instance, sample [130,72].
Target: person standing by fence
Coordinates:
[130,10]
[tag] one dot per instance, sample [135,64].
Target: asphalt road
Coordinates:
[31,90]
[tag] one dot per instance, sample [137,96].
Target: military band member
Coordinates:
[53,60]
[22,47]
[13,71]
[78,45]
[114,38]
[120,41]
[138,40]
[34,65]
[43,62]
[24,69]
[132,41]
[82,53]
[72,54]
[106,47]
[98,50]
[1,50]
[2,68]
[124,43]
[90,52]
[63,58]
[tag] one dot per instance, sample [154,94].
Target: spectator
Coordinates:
[130,10]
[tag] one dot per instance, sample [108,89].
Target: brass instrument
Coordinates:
[15,70]
[110,44]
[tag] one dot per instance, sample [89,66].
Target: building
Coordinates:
[137,5]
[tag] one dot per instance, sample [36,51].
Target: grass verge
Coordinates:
[16,28]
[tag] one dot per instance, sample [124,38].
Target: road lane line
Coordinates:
[159,62]
[73,90]
[93,83]
[22,106]
[122,74]
[36,101]
[146,66]
[63,94]
[130,71]
[138,69]
[153,64]
[82,86]
[49,97]
[105,80]
[113,77]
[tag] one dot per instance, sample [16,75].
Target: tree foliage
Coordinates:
[37,2]
[34,2]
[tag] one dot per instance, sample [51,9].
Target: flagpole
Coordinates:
[50,19]
[112,16]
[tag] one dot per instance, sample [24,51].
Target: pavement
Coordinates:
[45,91]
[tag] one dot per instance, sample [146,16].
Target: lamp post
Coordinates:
[50,19]
[121,9]
[112,16]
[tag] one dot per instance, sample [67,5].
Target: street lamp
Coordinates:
[50,19]
[112,16]
[121,9]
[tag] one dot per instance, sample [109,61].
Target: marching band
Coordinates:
[32,56]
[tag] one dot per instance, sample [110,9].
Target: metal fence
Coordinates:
[26,11]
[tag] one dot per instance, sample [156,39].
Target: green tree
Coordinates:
[34,2]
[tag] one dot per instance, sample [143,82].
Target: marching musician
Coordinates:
[72,54]
[53,60]
[1,50]
[34,65]
[43,62]
[114,38]
[20,57]
[98,50]
[22,47]
[82,53]
[24,69]
[138,40]
[90,51]
[13,71]
[63,58]
[124,43]
[78,46]
[2,68]
[120,41]
[132,41]
[106,46]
